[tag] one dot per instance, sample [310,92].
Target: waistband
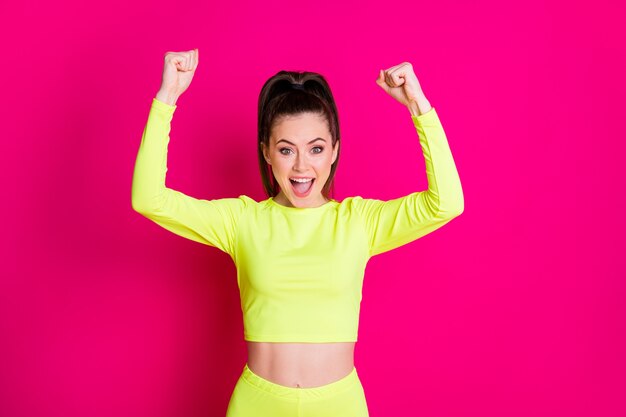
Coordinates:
[284,391]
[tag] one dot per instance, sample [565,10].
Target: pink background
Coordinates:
[516,308]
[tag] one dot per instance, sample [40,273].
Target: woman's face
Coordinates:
[300,147]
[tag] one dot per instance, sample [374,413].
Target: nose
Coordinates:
[300,163]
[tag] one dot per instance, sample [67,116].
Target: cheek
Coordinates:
[280,168]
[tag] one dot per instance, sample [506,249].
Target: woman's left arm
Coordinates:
[444,185]
[393,223]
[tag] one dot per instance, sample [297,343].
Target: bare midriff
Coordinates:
[301,365]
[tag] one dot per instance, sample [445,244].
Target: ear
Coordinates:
[335,152]
[265,153]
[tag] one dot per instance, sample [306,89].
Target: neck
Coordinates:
[281,199]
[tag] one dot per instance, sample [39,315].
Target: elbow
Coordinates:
[458,207]
[457,203]
[448,201]
[139,207]
[141,201]
[453,207]
[137,203]
[146,199]
[146,204]
[145,208]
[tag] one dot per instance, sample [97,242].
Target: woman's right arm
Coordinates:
[211,222]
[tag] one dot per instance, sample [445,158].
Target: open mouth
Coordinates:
[300,188]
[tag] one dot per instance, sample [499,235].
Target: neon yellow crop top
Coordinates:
[299,270]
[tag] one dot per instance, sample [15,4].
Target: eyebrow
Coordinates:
[291,143]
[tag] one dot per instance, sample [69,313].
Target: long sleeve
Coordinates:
[393,223]
[210,222]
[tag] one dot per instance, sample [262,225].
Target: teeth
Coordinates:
[302,180]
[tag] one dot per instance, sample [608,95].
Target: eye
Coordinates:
[321,149]
[284,149]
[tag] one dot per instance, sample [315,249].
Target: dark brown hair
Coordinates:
[278,99]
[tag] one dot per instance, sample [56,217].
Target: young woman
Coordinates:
[300,254]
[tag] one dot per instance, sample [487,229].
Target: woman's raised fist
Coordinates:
[400,82]
[178,71]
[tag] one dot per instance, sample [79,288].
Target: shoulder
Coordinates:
[357,205]
[233,205]
[358,202]
[246,200]
[248,203]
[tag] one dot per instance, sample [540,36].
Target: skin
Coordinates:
[296,151]
[300,365]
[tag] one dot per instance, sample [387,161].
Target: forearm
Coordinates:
[444,185]
[150,169]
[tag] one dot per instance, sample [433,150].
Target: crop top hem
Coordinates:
[299,338]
